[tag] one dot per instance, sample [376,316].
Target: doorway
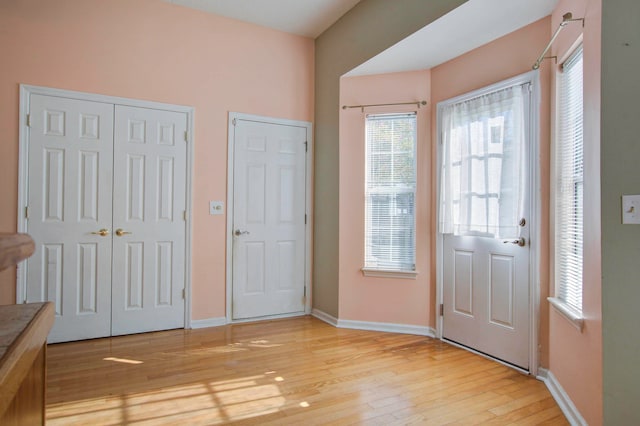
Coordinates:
[105,195]
[488,209]
[268,218]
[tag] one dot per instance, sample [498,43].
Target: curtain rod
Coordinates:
[418,103]
[566,18]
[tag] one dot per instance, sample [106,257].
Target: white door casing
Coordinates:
[489,288]
[268,233]
[74,182]
[148,208]
[69,199]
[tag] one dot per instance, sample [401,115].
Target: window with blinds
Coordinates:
[390,192]
[569,185]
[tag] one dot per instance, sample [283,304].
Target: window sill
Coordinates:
[384,273]
[575,318]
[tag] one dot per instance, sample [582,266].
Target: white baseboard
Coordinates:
[209,322]
[562,398]
[374,326]
[323,316]
[388,327]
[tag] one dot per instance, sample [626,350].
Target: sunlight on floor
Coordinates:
[213,403]
[122,360]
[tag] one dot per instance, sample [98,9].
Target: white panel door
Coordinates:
[69,198]
[268,219]
[148,220]
[486,296]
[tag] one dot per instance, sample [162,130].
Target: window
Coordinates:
[390,193]
[483,158]
[569,189]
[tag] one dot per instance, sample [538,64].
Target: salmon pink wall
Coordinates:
[152,50]
[506,57]
[372,299]
[575,357]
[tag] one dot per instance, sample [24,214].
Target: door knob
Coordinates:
[238,232]
[120,232]
[103,232]
[520,241]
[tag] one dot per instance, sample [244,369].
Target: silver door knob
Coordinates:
[520,241]
[238,232]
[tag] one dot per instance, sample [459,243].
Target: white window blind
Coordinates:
[390,192]
[569,184]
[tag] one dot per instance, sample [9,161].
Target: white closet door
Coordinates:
[70,165]
[148,220]
[269,219]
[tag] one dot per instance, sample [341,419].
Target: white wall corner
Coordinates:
[388,327]
[323,316]
[562,398]
[209,322]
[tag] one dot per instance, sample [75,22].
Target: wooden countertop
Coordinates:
[23,331]
[14,248]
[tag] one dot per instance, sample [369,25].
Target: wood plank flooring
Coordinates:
[293,371]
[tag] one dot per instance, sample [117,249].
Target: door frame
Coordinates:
[233,117]
[532,77]
[23,170]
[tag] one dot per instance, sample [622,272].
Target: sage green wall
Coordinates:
[369,28]
[620,174]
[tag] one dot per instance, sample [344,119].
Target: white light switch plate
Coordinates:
[631,209]
[216,207]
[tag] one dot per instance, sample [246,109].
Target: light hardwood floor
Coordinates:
[293,371]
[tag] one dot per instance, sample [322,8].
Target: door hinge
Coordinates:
[442,309]
[184,294]
[306,146]
[305,218]
[304,296]
[28,120]
[26,212]
[184,215]
[186,136]
[234,122]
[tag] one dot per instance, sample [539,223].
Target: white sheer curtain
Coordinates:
[484,153]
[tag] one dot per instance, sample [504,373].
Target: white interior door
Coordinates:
[69,199]
[269,181]
[148,220]
[106,201]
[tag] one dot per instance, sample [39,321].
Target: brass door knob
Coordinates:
[103,232]
[120,232]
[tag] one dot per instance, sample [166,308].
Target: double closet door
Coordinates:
[106,208]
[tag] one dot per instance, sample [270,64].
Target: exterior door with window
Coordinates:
[484,219]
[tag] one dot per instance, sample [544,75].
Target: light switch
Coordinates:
[631,209]
[216,207]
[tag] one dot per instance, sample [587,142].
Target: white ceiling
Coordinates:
[465,28]
[307,18]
